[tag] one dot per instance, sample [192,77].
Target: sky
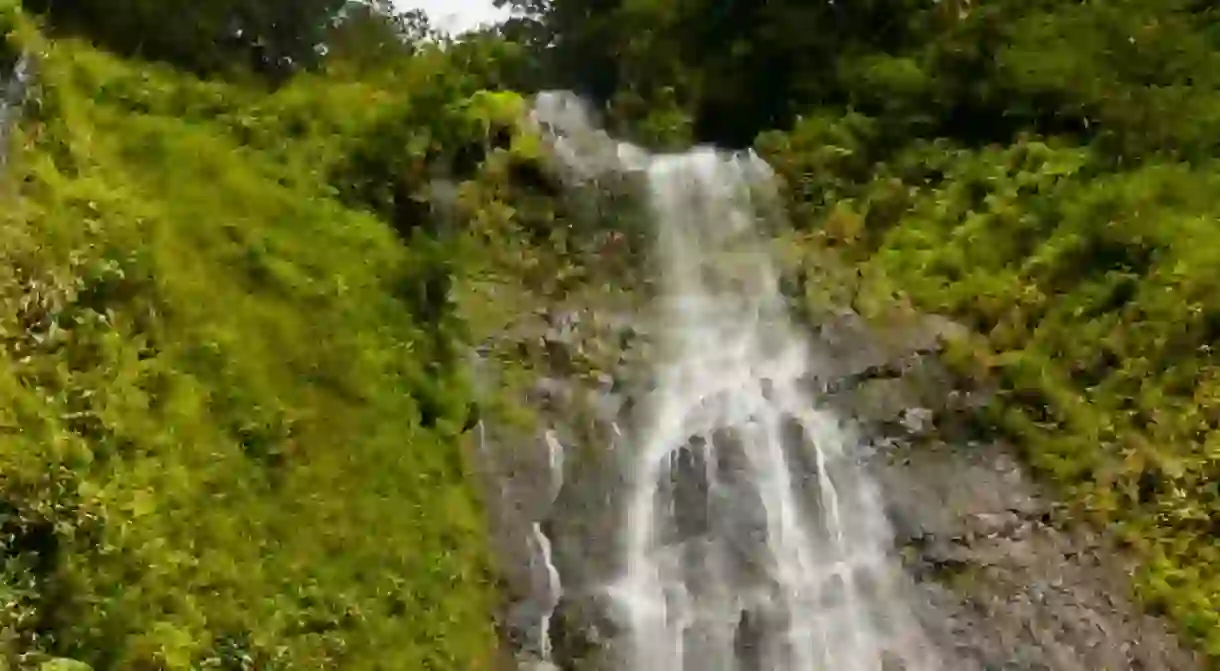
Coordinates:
[455,16]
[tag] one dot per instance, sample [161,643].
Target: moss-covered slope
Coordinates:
[224,440]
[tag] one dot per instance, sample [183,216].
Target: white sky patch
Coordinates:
[456,16]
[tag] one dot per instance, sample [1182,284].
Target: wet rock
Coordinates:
[993,524]
[917,421]
[550,393]
[581,634]
[876,402]
[748,642]
[608,406]
[847,347]
[1000,586]
[930,334]
[605,382]
[801,456]
[688,488]
[559,353]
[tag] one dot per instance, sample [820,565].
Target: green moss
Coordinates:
[212,438]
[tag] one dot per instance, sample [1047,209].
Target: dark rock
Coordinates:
[580,634]
[688,487]
[876,402]
[748,642]
[549,393]
[559,353]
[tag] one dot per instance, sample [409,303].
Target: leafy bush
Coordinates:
[222,444]
[270,37]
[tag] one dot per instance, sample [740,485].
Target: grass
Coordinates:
[212,450]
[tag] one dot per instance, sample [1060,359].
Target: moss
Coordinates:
[212,394]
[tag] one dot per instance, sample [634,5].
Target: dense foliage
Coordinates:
[271,39]
[979,72]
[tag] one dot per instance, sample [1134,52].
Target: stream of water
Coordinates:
[12,94]
[752,539]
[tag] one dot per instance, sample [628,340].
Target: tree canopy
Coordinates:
[272,38]
[978,71]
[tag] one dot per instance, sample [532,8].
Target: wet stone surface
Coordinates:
[999,580]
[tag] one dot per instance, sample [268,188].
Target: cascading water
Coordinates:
[12,95]
[545,586]
[752,538]
[543,555]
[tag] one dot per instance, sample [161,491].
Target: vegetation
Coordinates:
[232,418]
[236,277]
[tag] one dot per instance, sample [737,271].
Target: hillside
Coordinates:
[232,439]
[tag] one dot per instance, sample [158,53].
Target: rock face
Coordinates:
[1000,580]
[1003,582]
[581,395]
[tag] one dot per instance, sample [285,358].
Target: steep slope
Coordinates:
[225,440]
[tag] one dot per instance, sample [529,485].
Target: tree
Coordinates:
[710,56]
[374,35]
[270,37]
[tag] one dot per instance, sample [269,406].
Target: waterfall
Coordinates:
[545,585]
[12,95]
[554,587]
[752,537]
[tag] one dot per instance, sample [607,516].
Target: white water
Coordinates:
[554,588]
[753,539]
[546,587]
[12,95]
[542,552]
